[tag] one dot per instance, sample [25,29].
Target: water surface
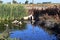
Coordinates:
[32,33]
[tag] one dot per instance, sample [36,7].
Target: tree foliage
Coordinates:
[1,1]
[14,2]
[26,2]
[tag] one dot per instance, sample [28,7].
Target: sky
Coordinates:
[35,1]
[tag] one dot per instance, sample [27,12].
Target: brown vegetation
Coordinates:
[52,12]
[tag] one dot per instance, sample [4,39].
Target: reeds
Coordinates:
[12,11]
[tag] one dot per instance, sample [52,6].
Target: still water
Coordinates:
[32,33]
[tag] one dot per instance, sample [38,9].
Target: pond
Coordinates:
[32,33]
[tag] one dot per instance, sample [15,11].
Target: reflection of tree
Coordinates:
[52,31]
[2,28]
[20,27]
[23,26]
[11,26]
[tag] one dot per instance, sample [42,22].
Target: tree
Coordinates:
[26,2]
[38,3]
[1,1]
[19,2]
[14,2]
[31,3]
[8,2]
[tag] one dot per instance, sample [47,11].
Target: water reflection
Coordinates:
[6,27]
[32,33]
[11,26]
[27,31]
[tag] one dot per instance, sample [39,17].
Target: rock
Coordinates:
[30,17]
[20,23]
[15,21]
[25,18]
